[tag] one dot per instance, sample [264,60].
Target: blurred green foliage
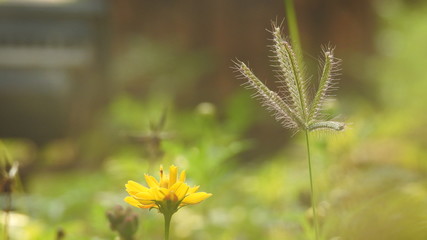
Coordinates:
[370,179]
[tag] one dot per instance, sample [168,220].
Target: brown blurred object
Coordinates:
[8,176]
[151,141]
[123,221]
[60,234]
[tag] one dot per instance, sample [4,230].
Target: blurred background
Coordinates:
[97,92]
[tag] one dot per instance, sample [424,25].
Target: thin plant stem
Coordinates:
[293,28]
[6,215]
[168,218]
[313,199]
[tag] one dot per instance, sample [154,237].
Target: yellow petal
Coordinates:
[173,172]
[149,206]
[132,201]
[159,193]
[163,192]
[182,176]
[180,189]
[181,192]
[195,198]
[193,190]
[171,197]
[175,186]
[134,187]
[164,182]
[155,194]
[144,196]
[163,179]
[151,181]
[146,202]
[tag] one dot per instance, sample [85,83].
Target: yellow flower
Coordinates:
[167,194]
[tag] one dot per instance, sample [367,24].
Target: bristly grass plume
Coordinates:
[292,106]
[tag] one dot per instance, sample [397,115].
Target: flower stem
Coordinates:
[168,218]
[313,199]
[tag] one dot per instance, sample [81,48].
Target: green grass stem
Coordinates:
[293,28]
[313,198]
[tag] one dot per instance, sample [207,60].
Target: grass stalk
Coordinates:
[293,28]
[293,32]
[292,106]
[313,198]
